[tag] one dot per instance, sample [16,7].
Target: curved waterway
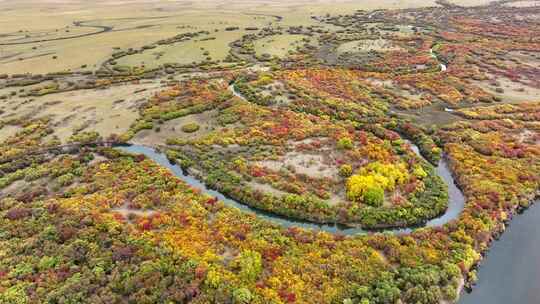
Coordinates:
[511,271]
[455,204]
[102,29]
[456,201]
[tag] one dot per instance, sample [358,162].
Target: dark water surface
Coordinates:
[511,271]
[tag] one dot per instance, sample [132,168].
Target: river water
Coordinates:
[511,271]
[456,201]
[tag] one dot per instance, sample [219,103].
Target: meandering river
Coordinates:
[509,274]
[455,205]
[456,201]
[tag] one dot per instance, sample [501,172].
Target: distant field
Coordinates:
[193,51]
[145,22]
[523,3]
[279,45]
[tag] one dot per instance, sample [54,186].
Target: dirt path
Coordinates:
[103,29]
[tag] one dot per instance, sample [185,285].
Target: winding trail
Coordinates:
[456,201]
[103,29]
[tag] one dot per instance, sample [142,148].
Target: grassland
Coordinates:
[145,22]
[279,46]
[193,51]
[107,111]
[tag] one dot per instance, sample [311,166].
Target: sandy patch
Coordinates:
[511,91]
[107,111]
[8,131]
[312,165]
[173,129]
[379,45]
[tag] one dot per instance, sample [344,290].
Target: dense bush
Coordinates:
[190,128]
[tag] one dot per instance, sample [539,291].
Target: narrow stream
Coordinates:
[455,205]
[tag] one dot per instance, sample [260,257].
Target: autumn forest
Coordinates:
[375,161]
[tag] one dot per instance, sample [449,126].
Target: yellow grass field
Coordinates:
[145,22]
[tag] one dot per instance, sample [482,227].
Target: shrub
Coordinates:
[371,182]
[85,137]
[359,185]
[190,128]
[264,79]
[345,143]
[15,294]
[18,213]
[345,170]
[242,296]
[66,179]
[374,196]
[419,172]
[250,264]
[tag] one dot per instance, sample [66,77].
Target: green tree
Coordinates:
[250,265]
[345,170]
[345,143]
[374,196]
[242,296]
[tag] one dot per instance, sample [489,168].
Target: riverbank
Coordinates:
[509,272]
